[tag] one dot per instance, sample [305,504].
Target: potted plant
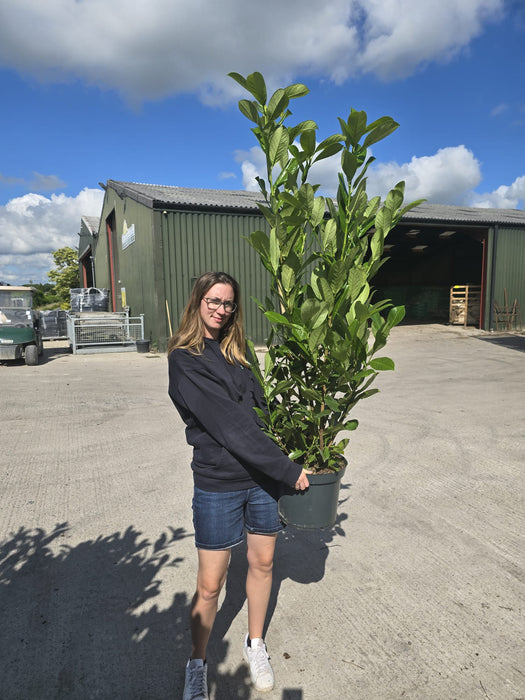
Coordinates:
[321,255]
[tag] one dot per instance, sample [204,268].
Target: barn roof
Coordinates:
[92,223]
[187,197]
[445,213]
[190,198]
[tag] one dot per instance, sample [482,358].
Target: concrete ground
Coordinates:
[417,593]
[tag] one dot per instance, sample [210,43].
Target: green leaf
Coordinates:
[288,277]
[329,235]
[382,364]
[307,140]
[296,90]
[394,199]
[356,126]
[333,140]
[307,125]
[254,362]
[306,197]
[326,291]
[352,424]
[268,364]
[249,109]
[327,152]
[277,105]
[261,243]
[256,85]
[239,79]
[321,317]
[410,206]
[376,243]
[362,312]
[337,274]
[321,286]
[356,281]
[349,163]
[332,403]
[309,310]
[315,339]
[278,145]
[275,317]
[379,130]
[395,316]
[274,250]
[318,211]
[289,199]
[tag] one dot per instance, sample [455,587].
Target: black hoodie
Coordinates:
[216,400]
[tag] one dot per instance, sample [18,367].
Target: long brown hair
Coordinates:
[190,334]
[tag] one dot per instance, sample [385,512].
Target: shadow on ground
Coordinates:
[80,621]
[513,342]
[71,621]
[301,557]
[53,351]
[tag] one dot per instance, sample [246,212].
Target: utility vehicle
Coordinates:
[20,334]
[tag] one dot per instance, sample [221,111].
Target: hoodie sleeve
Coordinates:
[211,399]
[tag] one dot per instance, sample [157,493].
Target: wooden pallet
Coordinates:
[465,301]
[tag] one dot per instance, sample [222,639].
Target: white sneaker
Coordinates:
[196,682]
[260,669]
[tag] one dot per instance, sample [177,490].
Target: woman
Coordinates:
[236,468]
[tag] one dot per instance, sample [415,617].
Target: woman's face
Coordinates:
[215,320]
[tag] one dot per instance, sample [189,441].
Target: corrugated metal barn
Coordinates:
[89,226]
[153,241]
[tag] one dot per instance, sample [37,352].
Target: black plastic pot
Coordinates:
[143,345]
[315,508]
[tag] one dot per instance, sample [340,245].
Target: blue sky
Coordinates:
[108,90]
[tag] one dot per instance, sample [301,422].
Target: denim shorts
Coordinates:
[219,519]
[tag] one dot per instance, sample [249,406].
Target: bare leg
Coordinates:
[213,567]
[261,549]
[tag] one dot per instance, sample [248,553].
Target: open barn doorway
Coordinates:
[425,261]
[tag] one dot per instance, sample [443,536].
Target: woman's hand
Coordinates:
[302,482]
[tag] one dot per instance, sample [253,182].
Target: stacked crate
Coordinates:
[465,301]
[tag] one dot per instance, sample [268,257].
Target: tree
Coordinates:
[65,276]
[44,295]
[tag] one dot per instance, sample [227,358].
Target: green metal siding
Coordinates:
[195,242]
[173,247]
[509,268]
[134,265]
[100,248]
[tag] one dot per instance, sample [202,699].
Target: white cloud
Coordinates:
[46,183]
[227,175]
[504,197]
[120,45]
[253,164]
[39,182]
[499,109]
[10,180]
[446,177]
[401,35]
[33,226]
[450,176]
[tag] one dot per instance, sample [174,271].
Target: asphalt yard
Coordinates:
[417,593]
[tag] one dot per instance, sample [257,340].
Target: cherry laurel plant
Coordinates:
[321,255]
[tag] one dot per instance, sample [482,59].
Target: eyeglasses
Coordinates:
[215,304]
